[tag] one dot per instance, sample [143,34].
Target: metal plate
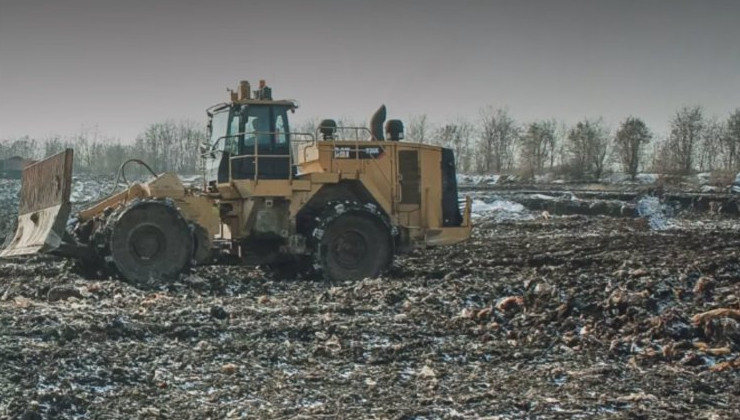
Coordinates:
[44,206]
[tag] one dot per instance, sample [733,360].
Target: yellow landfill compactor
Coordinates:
[346,199]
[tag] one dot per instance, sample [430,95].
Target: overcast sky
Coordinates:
[121,65]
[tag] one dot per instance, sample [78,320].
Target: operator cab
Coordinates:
[249,138]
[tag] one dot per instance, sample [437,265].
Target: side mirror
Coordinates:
[206,149]
[203,148]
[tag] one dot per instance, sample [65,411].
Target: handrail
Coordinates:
[291,133]
[213,146]
[357,131]
[294,142]
[290,142]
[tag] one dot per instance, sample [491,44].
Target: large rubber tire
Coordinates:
[355,246]
[202,251]
[151,243]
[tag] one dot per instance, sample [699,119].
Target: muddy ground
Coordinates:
[546,317]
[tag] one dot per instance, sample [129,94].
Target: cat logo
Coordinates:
[342,152]
[358,152]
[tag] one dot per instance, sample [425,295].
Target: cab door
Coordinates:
[223,147]
[281,165]
[264,152]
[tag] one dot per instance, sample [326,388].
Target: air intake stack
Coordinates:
[243,92]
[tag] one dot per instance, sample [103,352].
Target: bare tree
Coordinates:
[306,126]
[158,137]
[457,136]
[661,156]
[687,127]
[537,147]
[629,142]
[499,136]
[189,135]
[83,157]
[731,141]
[710,148]
[25,147]
[115,155]
[349,128]
[53,145]
[171,145]
[97,152]
[419,129]
[587,148]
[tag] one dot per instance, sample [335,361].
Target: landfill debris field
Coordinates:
[537,316]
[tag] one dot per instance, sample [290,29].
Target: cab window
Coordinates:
[257,126]
[219,125]
[232,142]
[281,129]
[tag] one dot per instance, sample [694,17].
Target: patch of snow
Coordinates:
[652,209]
[478,179]
[624,178]
[647,178]
[710,189]
[616,178]
[89,188]
[570,195]
[704,178]
[191,181]
[544,178]
[480,206]
[499,209]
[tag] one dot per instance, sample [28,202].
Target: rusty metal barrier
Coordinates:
[44,206]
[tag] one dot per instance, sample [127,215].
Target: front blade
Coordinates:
[44,206]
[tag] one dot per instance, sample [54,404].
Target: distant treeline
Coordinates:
[497,143]
[166,146]
[492,142]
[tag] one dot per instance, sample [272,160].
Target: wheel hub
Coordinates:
[349,249]
[150,242]
[147,242]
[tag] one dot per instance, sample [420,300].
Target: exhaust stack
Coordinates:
[244,91]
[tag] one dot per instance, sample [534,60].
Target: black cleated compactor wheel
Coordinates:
[150,243]
[354,245]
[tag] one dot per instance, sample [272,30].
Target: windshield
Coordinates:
[219,125]
[257,126]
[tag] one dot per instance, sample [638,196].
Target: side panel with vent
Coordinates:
[408,168]
[451,215]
